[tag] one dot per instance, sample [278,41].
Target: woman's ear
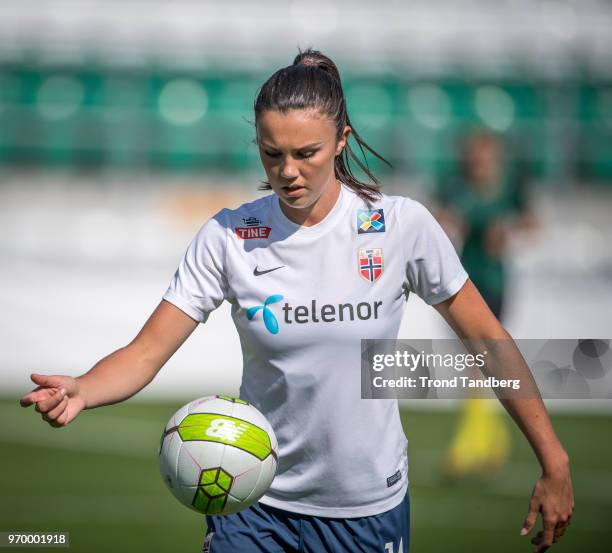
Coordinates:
[342,140]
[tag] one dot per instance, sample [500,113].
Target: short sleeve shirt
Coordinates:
[302,298]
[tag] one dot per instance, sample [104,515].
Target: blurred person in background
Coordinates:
[481,208]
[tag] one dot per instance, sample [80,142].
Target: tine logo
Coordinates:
[252,233]
[269,318]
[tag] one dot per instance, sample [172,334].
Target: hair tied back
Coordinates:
[302,86]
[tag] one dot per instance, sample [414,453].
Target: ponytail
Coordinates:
[313,82]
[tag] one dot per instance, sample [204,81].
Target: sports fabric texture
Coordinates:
[302,298]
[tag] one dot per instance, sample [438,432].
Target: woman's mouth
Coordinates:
[293,190]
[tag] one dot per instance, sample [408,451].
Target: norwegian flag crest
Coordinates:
[371,263]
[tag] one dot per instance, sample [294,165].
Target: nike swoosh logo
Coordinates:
[257,272]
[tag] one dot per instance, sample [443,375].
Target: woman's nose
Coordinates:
[288,169]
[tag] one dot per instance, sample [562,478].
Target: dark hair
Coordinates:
[313,82]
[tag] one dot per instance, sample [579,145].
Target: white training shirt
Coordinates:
[302,299]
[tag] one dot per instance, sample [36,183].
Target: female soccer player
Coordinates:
[309,270]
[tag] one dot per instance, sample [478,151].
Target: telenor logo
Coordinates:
[314,313]
[268,317]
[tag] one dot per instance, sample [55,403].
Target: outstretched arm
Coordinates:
[470,317]
[116,377]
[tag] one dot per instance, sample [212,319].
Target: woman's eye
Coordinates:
[300,155]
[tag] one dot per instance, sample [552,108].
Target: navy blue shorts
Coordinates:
[264,529]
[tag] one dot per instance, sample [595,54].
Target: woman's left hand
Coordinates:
[553,497]
[468,315]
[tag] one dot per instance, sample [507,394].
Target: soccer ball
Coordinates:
[218,455]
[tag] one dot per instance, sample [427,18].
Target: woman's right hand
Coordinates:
[57,398]
[116,377]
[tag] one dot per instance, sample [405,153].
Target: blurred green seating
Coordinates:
[203,121]
[595,139]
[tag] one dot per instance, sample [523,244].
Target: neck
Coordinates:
[317,211]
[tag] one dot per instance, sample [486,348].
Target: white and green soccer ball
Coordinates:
[218,455]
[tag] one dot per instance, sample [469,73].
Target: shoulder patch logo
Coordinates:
[370,220]
[252,233]
[371,263]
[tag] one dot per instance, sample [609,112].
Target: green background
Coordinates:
[98,480]
[97,116]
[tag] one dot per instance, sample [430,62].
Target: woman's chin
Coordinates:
[301,201]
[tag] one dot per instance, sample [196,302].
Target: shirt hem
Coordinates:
[338,512]
[185,306]
[450,290]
